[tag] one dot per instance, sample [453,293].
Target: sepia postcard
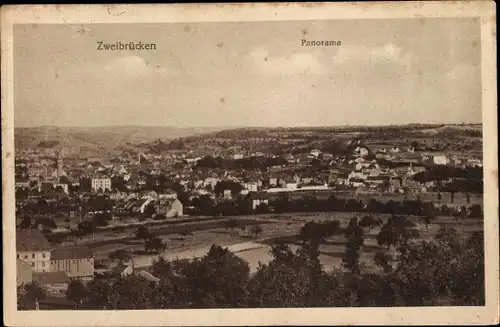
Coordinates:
[250,164]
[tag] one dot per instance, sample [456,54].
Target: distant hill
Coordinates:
[100,138]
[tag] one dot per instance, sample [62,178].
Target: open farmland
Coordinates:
[188,241]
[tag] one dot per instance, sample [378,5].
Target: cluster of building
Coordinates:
[126,179]
[52,268]
[144,183]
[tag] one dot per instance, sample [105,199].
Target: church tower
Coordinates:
[59,162]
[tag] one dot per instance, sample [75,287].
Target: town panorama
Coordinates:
[350,216]
[249,164]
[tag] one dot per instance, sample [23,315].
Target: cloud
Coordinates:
[133,66]
[299,63]
[388,53]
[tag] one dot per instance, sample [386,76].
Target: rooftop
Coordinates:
[71,253]
[31,240]
[50,278]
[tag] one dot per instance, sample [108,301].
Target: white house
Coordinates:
[250,186]
[315,152]
[257,202]
[101,183]
[440,160]
[291,186]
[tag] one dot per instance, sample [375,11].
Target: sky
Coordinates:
[386,71]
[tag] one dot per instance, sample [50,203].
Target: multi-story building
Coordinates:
[38,170]
[102,183]
[33,249]
[76,262]
[250,186]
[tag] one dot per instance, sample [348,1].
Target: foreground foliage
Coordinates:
[447,270]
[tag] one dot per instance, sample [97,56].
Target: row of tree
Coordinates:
[204,205]
[244,163]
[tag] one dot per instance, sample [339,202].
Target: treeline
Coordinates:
[48,144]
[469,180]
[446,270]
[303,131]
[204,205]
[245,163]
[441,172]
[407,207]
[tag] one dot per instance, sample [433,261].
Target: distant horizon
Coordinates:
[249,126]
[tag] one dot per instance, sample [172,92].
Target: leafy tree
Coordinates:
[143,233]
[154,244]
[120,255]
[205,205]
[256,229]
[355,239]
[448,237]
[131,292]
[369,222]
[331,227]
[231,223]
[398,230]
[30,295]
[118,184]
[310,231]
[76,291]
[291,279]
[149,211]
[354,229]
[446,267]
[244,206]
[99,294]
[221,186]
[317,232]
[26,223]
[427,221]
[383,260]
[46,222]
[86,227]
[475,211]
[162,268]
[218,280]
[101,219]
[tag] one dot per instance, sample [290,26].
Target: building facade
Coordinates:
[33,249]
[24,273]
[100,184]
[76,262]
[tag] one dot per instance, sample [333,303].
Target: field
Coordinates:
[191,240]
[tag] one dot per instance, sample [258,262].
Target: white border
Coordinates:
[85,14]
